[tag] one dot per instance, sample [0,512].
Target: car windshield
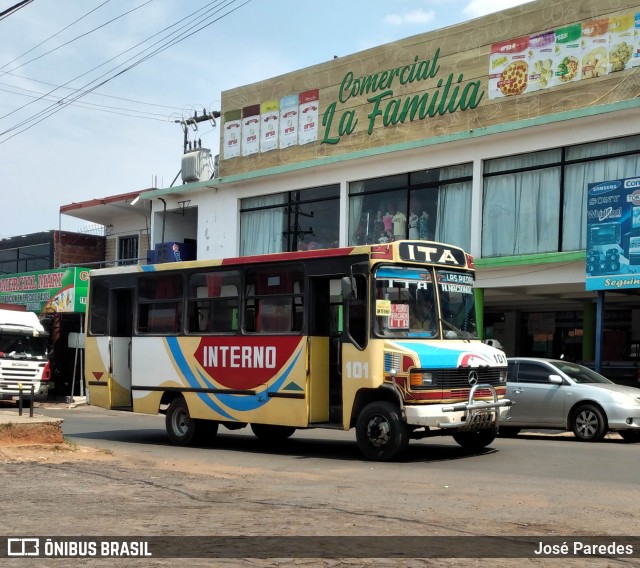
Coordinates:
[579,373]
[405,304]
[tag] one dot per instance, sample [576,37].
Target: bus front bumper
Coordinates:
[469,415]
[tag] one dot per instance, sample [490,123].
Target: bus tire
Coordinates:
[206,431]
[181,428]
[271,433]
[508,431]
[477,440]
[381,433]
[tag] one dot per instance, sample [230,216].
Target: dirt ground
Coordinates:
[30,434]
[87,491]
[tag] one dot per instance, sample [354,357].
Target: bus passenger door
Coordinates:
[324,345]
[120,347]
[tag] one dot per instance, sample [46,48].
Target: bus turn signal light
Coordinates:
[421,380]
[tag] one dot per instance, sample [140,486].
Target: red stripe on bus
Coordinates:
[299,255]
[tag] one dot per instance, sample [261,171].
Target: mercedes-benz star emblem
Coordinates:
[473,378]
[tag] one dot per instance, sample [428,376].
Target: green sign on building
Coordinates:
[61,290]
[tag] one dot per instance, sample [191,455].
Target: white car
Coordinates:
[560,395]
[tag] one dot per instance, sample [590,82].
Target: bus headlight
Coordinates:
[502,375]
[421,380]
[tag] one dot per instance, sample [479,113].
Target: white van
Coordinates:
[23,357]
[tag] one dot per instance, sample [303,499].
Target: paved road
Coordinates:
[558,458]
[317,484]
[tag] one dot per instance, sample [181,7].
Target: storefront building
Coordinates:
[484,134]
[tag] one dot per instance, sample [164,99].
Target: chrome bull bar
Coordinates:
[480,414]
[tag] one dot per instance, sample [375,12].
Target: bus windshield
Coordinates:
[405,303]
[457,304]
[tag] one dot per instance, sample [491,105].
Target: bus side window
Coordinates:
[358,313]
[274,299]
[160,303]
[99,309]
[213,302]
[250,316]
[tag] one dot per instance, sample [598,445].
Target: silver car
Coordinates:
[560,395]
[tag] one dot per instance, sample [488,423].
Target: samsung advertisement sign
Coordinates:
[613,234]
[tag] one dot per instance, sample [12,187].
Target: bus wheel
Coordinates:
[380,431]
[508,431]
[476,440]
[181,428]
[206,431]
[272,433]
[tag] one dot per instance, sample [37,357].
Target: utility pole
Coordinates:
[194,121]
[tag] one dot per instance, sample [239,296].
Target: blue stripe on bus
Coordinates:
[432,356]
[401,274]
[178,357]
[148,268]
[242,403]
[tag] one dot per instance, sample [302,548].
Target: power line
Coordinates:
[63,103]
[6,13]
[56,34]
[98,107]
[77,37]
[146,103]
[102,64]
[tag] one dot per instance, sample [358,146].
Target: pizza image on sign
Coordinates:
[514,78]
[568,69]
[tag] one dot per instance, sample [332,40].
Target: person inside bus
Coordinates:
[422,317]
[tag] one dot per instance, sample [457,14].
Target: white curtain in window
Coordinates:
[521,212]
[453,221]
[261,231]
[355,210]
[577,178]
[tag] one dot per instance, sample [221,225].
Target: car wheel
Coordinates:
[271,433]
[508,431]
[589,424]
[630,436]
[476,440]
[181,428]
[380,431]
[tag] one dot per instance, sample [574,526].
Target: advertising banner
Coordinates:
[613,234]
[47,291]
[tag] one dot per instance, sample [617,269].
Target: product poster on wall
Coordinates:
[289,121]
[269,117]
[232,129]
[250,130]
[613,234]
[308,116]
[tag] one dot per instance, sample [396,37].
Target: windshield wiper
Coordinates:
[461,334]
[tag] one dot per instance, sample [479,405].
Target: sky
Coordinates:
[90,90]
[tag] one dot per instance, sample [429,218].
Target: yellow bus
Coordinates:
[380,338]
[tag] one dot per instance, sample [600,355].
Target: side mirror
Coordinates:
[349,289]
[555,380]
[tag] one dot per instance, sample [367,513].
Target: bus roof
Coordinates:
[422,252]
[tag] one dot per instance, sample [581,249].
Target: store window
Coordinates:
[521,210]
[536,202]
[428,205]
[298,220]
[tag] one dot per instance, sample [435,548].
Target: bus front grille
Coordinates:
[451,379]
